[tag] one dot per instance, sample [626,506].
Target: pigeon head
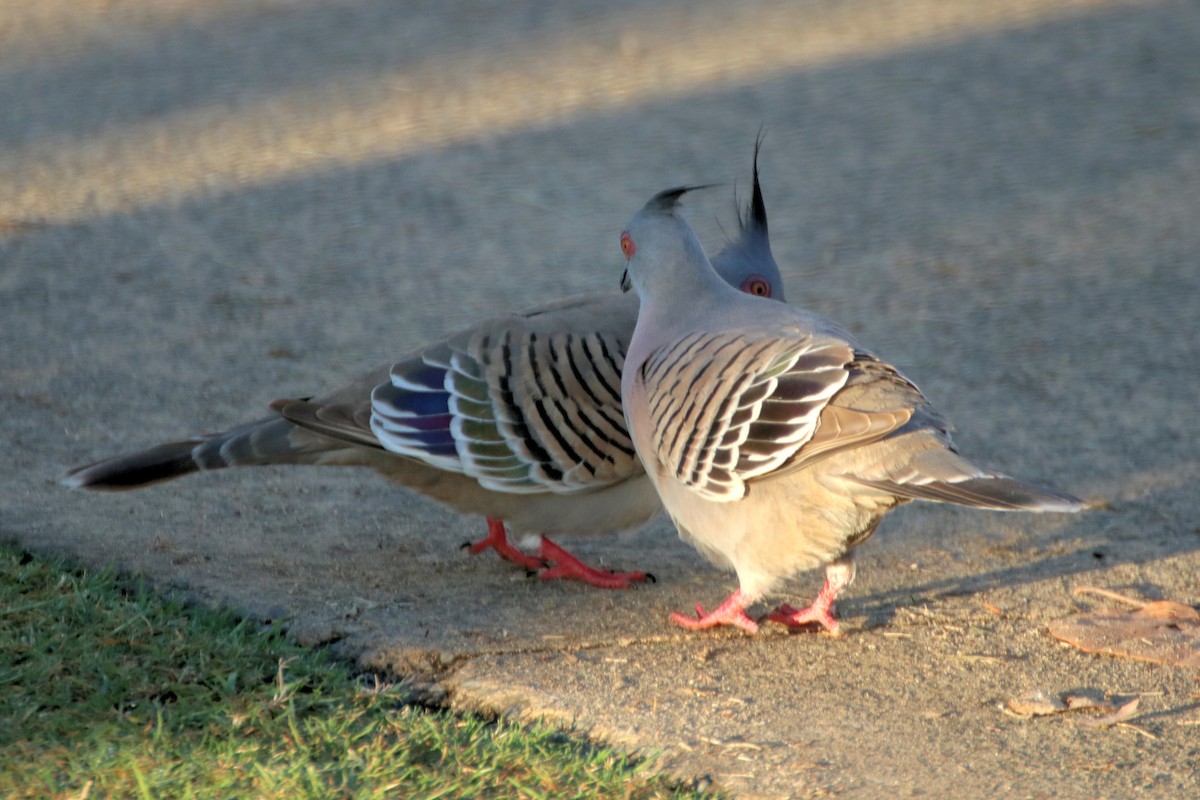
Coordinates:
[660,248]
[747,262]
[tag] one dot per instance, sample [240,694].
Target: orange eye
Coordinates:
[627,246]
[757,286]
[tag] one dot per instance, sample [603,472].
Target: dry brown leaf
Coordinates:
[1035,704]
[1042,704]
[1123,714]
[1168,609]
[1078,702]
[1162,632]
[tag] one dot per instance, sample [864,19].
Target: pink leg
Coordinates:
[497,539]
[838,576]
[565,566]
[731,612]
[568,566]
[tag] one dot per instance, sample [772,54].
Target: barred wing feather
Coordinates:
[727,408]
[518,410]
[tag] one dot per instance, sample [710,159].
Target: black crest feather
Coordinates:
[668,199]
[758,209]
[755,215]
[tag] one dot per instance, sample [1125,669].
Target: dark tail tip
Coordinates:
[163,463]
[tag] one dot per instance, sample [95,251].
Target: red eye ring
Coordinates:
[628,248]
[757,286]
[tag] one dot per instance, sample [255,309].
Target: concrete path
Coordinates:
[207,205]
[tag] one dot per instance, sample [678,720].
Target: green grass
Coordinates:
[107,690]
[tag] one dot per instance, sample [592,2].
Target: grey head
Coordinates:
[663,255]
[746,263]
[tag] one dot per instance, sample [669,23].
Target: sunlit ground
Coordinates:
[243,136]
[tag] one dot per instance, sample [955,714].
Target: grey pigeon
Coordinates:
[517,418]
[775,440]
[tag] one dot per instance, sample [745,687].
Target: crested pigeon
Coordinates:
[776,442]
[517,419]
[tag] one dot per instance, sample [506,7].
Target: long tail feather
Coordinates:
[272,440]
[995,492]
[163,463]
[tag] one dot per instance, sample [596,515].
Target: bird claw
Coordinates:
[731,612]
[497,539]
[552,562]
[838,576]
[569,567]
[796,619]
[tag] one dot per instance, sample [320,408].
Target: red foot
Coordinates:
[565,565]
[837,577]
[568,566]
[799,618]
[497,539]
[731,612]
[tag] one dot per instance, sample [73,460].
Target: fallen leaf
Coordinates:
[1035,704]
[1162,632]
[1168,609]
[1078,702]
[1123,714]
[1042,704]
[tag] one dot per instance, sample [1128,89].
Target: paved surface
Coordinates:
[204,206]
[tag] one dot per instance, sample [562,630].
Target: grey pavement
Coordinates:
[207,205]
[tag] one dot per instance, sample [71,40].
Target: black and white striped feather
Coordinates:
[727,408]
[730,409]
[521,411]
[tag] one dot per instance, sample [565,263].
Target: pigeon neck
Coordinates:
[664,296]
